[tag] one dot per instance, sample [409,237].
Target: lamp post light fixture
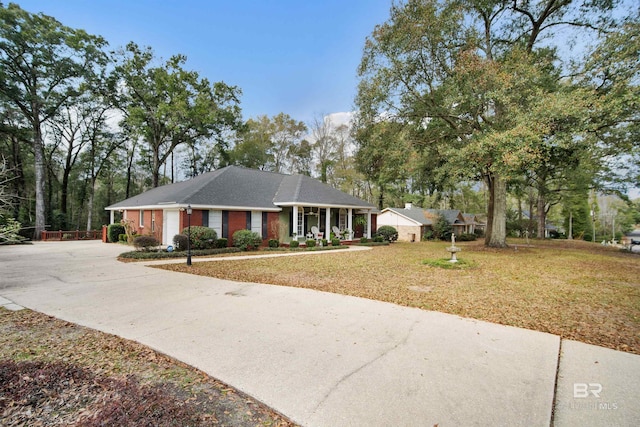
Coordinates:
[189,212]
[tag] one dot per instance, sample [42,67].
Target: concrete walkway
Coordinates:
[330,360]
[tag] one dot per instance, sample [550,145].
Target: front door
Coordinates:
[171,227]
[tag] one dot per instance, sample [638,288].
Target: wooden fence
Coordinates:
[72,235]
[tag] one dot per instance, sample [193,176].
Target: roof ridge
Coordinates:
[207,181]
[296,194]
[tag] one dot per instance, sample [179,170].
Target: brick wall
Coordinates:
[237,221]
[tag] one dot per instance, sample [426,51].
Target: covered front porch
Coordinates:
[325,222]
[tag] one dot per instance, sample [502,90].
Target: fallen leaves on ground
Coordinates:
[56,373]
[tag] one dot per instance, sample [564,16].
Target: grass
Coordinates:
[577,290]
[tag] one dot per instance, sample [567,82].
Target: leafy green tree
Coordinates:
[471,81]
[167,106]
[383,156]
[274,144]
[41,65]
[254,149]
[441,228]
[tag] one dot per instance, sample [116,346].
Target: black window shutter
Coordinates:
[290,221]
[264,225]
[205,218]
[225,224]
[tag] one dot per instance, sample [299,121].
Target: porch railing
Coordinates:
[72,235]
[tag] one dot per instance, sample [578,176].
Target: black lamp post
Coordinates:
[189,212]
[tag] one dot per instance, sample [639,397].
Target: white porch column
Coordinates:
[327,224]
[295,220]
[112,217]
[350,221]
[368,224]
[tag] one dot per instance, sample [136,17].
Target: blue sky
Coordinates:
[297,57]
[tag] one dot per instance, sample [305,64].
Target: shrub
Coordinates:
[180,242]
[145,243]
[246,240]
[201,237]
[363,239]
[378,239]
[325,242]
[294,244]
[428,235]
[274,243]
[467,237]
[388,233]
[222,242]
[164,254]
[441,228]
[114,231]
[335,242]
[311,243]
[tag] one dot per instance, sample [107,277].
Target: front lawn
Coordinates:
[578,290]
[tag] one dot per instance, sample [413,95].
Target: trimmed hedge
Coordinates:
[145,243]
[246,240]
[201,237]
[114,231]
[180,242]
[311,243]
[274,243]
[388,233]
[294,244]
[335,242]
[163,254]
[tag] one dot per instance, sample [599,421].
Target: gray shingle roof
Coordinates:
[416,214]
[428,216]
[235,186]
[451,215]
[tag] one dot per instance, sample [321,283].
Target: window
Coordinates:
[153,221]
[300,222]
[205,218]
[214,220]
[342,219]
[141,221]
[256,222]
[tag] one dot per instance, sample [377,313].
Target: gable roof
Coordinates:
[238,187]
[416,215]
[453,216]
[429,216]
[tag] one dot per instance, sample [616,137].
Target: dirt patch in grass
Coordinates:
[578,290]
[56,373]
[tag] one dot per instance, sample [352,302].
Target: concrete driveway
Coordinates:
[330,360]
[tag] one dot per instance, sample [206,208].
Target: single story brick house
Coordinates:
[275,205]
[413,223]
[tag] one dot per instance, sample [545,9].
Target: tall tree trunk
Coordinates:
[381,199]
[497,236]
[489,227]
[156,168]
[542,214]
[129,170]
[92,190]
[40,178]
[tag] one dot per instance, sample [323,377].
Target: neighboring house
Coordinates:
[274,205]
[414,223]
[549,228]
